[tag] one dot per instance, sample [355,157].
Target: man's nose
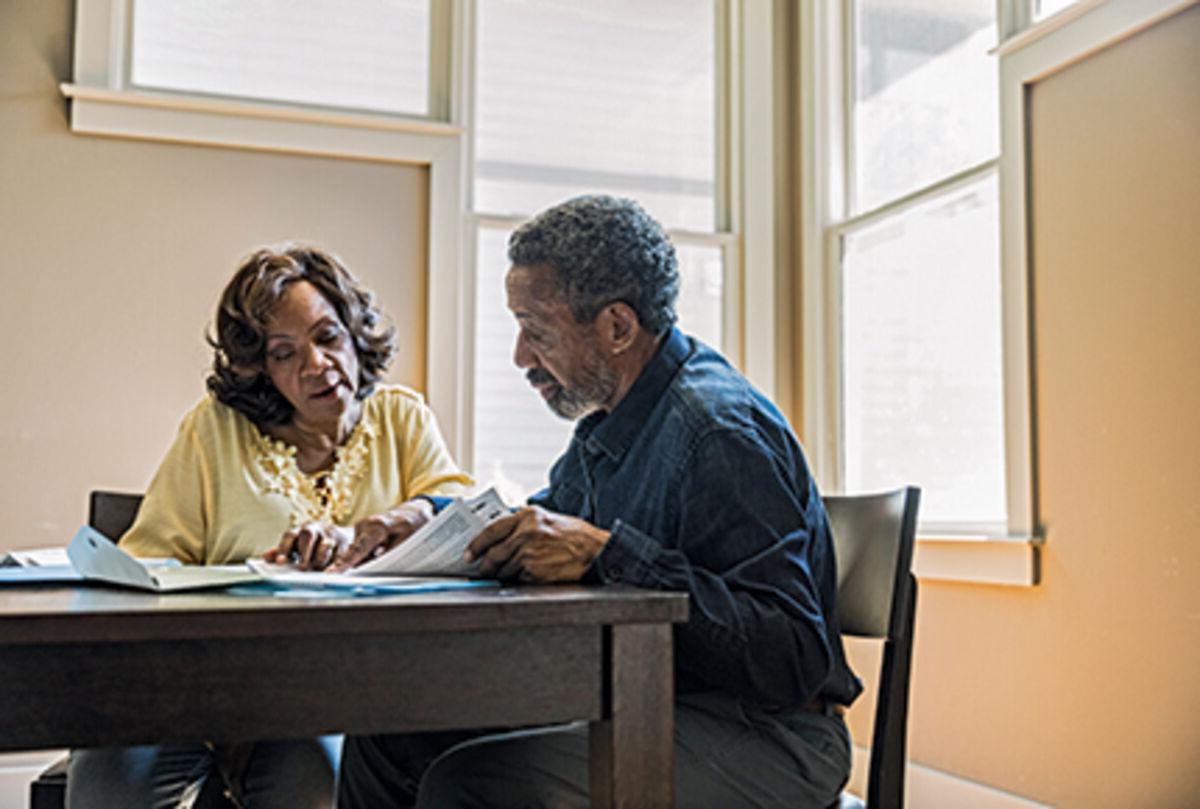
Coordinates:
[522,356]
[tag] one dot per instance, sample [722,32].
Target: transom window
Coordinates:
[369,56]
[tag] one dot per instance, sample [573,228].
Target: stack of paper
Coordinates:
[39,565]
[36,557]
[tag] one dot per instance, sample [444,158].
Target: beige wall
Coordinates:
[112,258]
[1085,691]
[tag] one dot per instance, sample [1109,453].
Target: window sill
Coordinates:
[241,124]
[1012,561]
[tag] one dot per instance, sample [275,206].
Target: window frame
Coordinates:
[826,36]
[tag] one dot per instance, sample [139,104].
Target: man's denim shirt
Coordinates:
[705,490]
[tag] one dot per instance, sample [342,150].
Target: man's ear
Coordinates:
[620,326]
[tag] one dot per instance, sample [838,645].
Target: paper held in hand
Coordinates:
[431,554]
[437,548]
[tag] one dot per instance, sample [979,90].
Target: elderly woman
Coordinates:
[298,450]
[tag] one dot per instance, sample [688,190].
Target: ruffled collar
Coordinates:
[326,496]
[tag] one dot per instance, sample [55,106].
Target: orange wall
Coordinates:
[113,255]
[1085,691]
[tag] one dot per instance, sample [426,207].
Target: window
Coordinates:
[921,356]
[316,52]
[914,343]
[583,97]
[924,96]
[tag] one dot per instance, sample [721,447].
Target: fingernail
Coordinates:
[468,556]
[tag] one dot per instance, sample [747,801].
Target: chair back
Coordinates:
[873,537]
[112,513]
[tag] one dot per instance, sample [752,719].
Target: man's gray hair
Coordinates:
[604,249]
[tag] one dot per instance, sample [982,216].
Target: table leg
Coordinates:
[633,749]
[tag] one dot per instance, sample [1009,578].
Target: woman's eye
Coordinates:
[327,337]
[280,356]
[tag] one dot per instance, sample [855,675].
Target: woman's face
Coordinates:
[311,357]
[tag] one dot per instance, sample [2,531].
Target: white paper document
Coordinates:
[430,559]
[289,575]
[437,548]
[95,556]
[38,565]
[36,557]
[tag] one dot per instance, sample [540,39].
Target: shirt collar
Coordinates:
[613,433]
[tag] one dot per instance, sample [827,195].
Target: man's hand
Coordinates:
[536,545]
[312,546]
[375,535]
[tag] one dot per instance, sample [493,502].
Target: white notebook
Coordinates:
[94,556]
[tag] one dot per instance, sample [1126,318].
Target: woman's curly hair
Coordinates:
[239,377]
[604,249]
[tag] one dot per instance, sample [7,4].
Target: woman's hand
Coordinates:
[377,534]
[312,546]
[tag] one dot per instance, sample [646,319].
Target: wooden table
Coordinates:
[84,666]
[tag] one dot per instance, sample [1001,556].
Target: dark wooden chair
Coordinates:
[110,513]
[873,538]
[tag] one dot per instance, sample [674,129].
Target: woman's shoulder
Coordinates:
[211,416]
[395,399]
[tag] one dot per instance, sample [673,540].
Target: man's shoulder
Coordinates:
[710,388]
[714,397]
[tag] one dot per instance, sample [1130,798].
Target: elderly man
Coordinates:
[680,476]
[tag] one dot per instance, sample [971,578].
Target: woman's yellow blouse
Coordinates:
[225,492]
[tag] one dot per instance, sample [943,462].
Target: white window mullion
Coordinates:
[822,186]
[727,135]
[847,25]
[756,193]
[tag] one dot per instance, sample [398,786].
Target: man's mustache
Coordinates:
[537,376]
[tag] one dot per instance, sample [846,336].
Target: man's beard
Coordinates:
[592,387]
